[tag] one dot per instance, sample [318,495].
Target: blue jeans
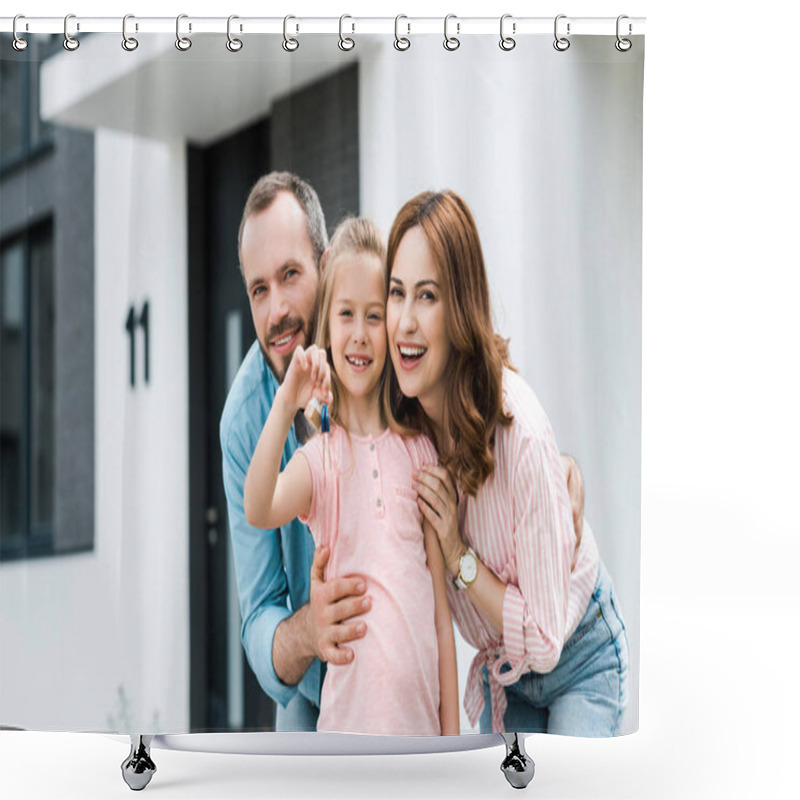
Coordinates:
[587,691]
[299,715]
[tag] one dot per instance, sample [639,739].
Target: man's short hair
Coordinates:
[266,189]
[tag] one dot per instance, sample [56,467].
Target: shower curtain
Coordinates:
[123,177]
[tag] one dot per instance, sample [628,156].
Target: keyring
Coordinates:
[345,42]
[70,42]
[451,43]
[623,45]
[233,44]
[401,43]
[128,42]
[561,43]
[183,43]
[506,42]
[18,43]
[289,44]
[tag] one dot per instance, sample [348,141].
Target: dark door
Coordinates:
[221,330]
[313,132]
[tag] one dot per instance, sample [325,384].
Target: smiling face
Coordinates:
[356,325]
[281,277]
[416,324]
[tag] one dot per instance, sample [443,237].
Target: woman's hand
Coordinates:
[438,501]
[308,375]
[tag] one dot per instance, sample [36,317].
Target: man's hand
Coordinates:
[577,496]
[333,608]
[322,626]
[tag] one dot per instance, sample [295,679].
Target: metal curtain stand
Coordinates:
[138,768]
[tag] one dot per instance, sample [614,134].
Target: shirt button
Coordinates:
[379,502]
[374,473]
[372,446]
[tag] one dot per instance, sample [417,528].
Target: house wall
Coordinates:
[45,599]
[58,185]
[559,215]
[142,432]
[99,640]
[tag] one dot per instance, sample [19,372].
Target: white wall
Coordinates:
[547,153]
[142,433]
[100,640]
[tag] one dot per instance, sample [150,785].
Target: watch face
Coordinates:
[469,568]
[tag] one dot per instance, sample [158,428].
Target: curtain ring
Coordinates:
[70,42]
[507,42]
[345,42]
[561,43]
[451,43]
[183,43]
[233,44]
[289,44]
[401,43]
[623,45]
[18,43]
[129,43]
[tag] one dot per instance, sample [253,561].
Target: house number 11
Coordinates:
[141,321]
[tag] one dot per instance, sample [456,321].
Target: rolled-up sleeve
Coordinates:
[260,575]
[535,610]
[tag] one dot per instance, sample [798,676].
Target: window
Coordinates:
[27,377]
[22,132]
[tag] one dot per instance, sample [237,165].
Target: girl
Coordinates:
[536,603]
[354,489]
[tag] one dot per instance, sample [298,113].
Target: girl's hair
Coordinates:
[353,236]
[474,374]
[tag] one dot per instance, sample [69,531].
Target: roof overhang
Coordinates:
[157,91]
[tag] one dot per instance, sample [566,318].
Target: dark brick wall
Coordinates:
[315,134]
[59,184]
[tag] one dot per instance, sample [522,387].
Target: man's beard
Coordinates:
[309,331]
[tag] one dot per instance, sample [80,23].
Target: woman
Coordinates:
[535,602]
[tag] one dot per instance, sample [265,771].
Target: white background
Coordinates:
[719,708]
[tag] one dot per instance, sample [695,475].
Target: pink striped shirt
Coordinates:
[520,526]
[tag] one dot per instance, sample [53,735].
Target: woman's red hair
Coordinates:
[474,374]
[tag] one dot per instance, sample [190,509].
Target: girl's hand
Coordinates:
[308,375]
[438,501]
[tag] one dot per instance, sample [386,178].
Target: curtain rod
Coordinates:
[405,25]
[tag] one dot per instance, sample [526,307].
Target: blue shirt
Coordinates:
[272,566]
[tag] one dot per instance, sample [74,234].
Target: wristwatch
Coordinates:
[467,569]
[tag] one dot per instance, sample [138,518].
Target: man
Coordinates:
[281,241]
[292,619]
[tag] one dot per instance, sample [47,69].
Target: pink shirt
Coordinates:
[520,526]
[365,509]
